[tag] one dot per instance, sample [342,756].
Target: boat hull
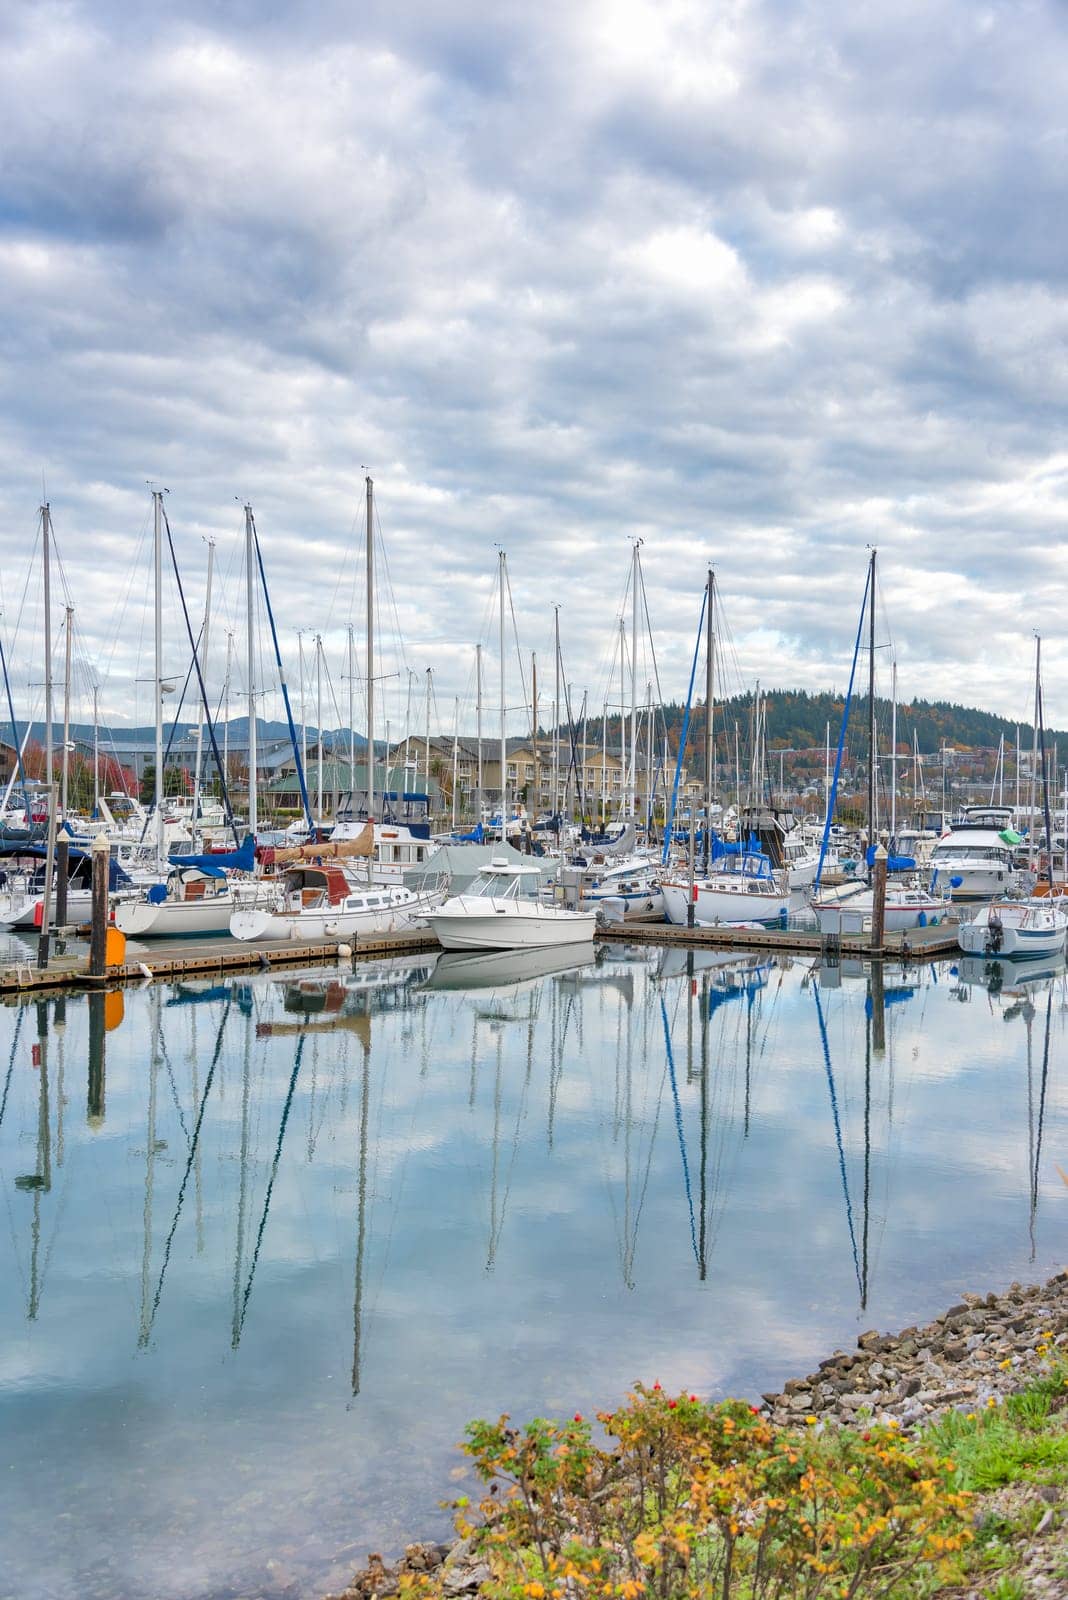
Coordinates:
[509,927]
[979,938]
[712,906]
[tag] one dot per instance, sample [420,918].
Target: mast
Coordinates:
[371,649]
[623,785]
[250,583]
[504,742]
[303,703]
[96,750]
[319,723]
[534,733]
[46,532]
[710,708]
[206,717]
[633,807]
[352,714]
[604,764]
[893,754]
[426,737]
[556,715]
[65,769]
[478,727]
[582,784]
[871,704]
[157,580]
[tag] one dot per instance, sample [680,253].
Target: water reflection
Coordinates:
[308,1225]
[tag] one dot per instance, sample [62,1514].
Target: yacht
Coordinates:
[850,907]
[502,910]
[323,900]
[194,900]
[1033,927]
[978,857]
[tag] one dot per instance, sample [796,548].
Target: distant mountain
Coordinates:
[265,732]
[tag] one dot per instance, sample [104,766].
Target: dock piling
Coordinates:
[99,916]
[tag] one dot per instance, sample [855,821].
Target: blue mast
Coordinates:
[285,688]
[683,736]
[832,797]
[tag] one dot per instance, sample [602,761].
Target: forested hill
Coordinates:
[797,720]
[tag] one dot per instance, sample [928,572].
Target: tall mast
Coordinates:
[623,785]
[46,556]
[582,784]
[206,709]
[303,702]
[455,754]
[871,703]
[504,741]
[96,750]
[319,722]
[226,703]
[250,596]
[352,712]
[634,681]
[534,732]
[710,705]
[604,763]
[478,727]
[157,581]
[371,649]
[66,711]
[893,754]
[426,737]
[556,716]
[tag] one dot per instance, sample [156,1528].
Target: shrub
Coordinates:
[705,1499]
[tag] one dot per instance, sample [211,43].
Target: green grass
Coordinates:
[1023,1441]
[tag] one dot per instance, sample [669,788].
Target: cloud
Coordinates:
[761,287]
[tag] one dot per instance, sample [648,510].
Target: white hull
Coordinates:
[176,919]
[719,905]
[19,910]
[979,882]
[980,938]
[482,923]
[853,912]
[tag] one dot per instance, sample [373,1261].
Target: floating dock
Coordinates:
[188,957]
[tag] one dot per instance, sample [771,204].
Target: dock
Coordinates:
[203,957]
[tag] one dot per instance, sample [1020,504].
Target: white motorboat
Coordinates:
[978,857]
[850,907]
[191,902]
[800,860]
[748,892]
[502,911]
[324,901]
[1033,927]
[630,884]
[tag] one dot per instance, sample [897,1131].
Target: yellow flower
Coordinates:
[810,1422]
[1006,1364]
[991,1403]
[970,1417]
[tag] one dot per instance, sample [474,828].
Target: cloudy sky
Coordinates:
[759,283]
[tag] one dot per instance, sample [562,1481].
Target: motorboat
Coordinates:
[502,911]
[850,908]
[746,891]
[325,901]
[978,857]
[22,895]
[1031,927]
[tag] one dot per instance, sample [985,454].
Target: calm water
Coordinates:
[267,1245]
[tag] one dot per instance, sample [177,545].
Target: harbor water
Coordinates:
[269,1243]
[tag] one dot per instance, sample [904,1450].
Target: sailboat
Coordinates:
[1037,925]
[849,908]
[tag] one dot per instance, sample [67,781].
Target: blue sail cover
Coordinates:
[893,863]
[474,837]
[215,866]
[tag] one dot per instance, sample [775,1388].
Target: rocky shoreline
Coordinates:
[981,1351]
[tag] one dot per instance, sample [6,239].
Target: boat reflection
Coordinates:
[510,971]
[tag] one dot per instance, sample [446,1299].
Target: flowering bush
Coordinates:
[705,1499]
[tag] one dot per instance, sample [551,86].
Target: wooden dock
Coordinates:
[203,957]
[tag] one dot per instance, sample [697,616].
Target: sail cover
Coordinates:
[243,860]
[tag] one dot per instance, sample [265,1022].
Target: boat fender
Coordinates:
[921,920]
[344,951]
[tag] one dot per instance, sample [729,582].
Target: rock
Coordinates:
[1044,1522]
[954,1350]
[912,1385]
[464,1579]
[854,1402]
[1049,1493]
[870,1340]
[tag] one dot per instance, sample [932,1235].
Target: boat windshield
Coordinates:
[505,886]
